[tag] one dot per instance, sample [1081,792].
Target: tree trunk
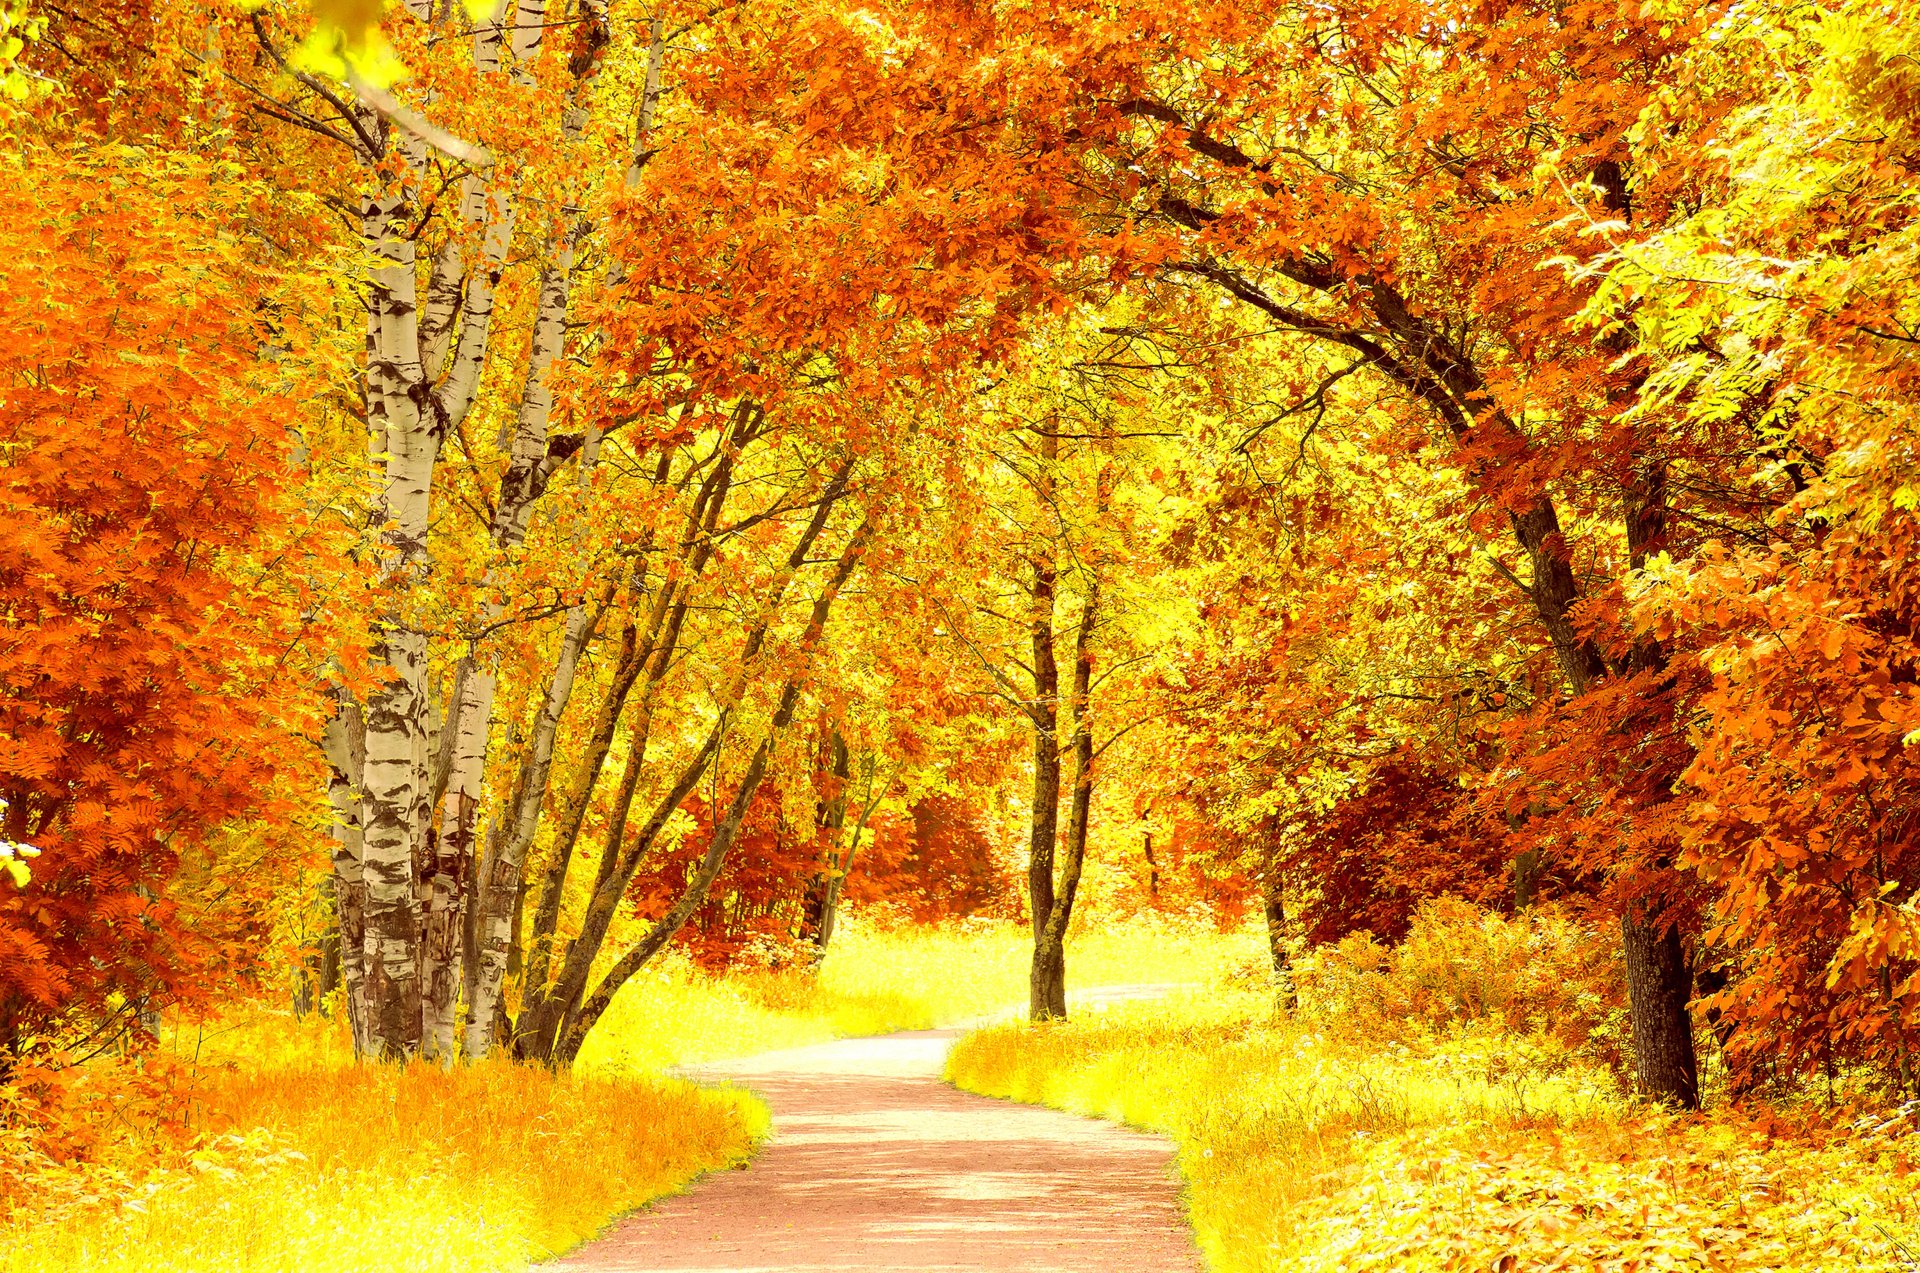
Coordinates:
[1273,902]
[1658,982]
[829,819]
[843,868]
[1047,978]
[573,809]
[1050,955]
[317,975]
[1429,364]
[344,744]
[1153,867]
[447,883]
[528,473]
[547,1007]
[397,902]
[394,781]
[1527,870]
[502,886]
[1047,982]
[573,1030]
[647,662]
[1659,976]
[565,1046]
[329,972]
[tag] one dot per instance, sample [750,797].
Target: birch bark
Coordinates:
[344,744]
[526,480]
[408,899]
[527,475]
[393,784]
[530,466]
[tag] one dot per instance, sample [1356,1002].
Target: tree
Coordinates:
[153,559]
[1774,303]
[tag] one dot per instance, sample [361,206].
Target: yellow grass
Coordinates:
[327,1168]
[1307,1149]
[302,1160]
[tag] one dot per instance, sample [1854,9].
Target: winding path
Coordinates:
[875,1164]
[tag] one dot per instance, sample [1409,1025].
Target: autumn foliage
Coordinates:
[1366,455]
[149,686]
[933,864]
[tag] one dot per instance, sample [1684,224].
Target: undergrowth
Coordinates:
[1453,1105]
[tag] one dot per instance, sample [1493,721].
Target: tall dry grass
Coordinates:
[328,1169]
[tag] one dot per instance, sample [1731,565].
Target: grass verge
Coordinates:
[326,1169]
[1307,1147]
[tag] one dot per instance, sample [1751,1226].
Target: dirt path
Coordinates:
[876,1164]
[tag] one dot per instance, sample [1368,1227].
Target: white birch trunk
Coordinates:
[527,472]
[457,365]
[413,888]
[525,480]
[394,782]
[447,884]
[461,305]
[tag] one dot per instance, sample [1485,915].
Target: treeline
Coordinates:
[1388,451]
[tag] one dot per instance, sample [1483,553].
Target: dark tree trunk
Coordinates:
[1658,982]
[1428,363]
[1659,978]
[1047,983]
[1287,994]
[830,818]
[1049,979]
[1045,978]
[316,976]
[1528,867]
[329,979]
[318,973]
[812,931]
[561,1035]
[843,864]
[1044,832]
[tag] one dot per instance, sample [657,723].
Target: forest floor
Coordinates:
[874,1163]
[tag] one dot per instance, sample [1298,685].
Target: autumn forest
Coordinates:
[584,586]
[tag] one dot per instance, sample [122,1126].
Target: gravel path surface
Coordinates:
[874,1163]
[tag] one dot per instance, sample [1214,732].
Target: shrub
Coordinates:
[1461,969]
